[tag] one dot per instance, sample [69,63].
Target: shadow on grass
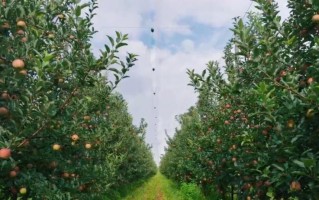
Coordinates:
[122,192]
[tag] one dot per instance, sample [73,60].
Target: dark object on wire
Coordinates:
[152,30]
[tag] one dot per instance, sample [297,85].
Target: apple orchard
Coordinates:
[66,134]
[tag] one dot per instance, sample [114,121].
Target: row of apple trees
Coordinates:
[64,133]
[254,132]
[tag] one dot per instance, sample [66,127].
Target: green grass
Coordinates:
[156,188]
[121,192]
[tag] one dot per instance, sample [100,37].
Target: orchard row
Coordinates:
[64,132]
[254,131]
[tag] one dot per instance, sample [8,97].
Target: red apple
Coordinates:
[295,186]
[4,111]
[18,64]
[21,23]
[5,153]
[13,173]
[75,137]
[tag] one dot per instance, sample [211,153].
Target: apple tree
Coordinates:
[59,117]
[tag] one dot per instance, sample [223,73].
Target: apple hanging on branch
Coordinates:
[5,153]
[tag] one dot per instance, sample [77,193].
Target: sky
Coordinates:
[187,34]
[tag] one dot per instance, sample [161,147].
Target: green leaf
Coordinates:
[278,167]
[118,34]
[309,163]
[107,48]
[114,70]
[120,45]
[111,40]
[295,138]
[78,11]
[299,163]
[47,57]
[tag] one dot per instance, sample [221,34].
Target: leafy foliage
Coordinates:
[254,130]
[70,135]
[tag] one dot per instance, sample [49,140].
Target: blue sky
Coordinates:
[187,34]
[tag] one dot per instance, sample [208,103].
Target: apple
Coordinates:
[61,80]
[315,18]
[56,147]
[5,26]
[23,190]
[5,153]
[283,73]
[23,72]
[18,64]
[227,106]
[247,186]
[290,123]
[88,146]
[310,80]
[16,168]
[87,118]
[20,32]
[21,23]
[226,122]
[13,173]
[51,35]
[75,137]
[310,113]
[24,39]
[233,147]
[5,95]
[265,132]
[82,187]
[295,186]
[65,175]
[4,111]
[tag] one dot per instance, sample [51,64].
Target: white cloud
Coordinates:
[215,13]
[172,20]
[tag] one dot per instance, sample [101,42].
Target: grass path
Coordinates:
[156,188]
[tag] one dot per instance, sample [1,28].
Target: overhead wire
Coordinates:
[251,3]
[152,30]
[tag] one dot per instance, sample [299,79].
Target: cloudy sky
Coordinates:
[187,34]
